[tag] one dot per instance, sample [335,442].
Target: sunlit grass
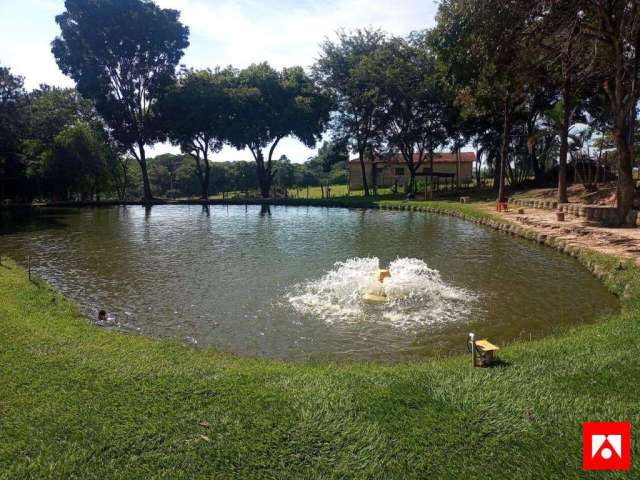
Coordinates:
[77,401]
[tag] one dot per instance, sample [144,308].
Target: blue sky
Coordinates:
[223,32]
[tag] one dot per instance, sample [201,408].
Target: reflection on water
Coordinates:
[265,281]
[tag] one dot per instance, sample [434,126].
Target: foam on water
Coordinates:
[417,295]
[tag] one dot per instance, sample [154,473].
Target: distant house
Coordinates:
[390,170]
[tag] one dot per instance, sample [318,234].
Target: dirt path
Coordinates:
[621,242]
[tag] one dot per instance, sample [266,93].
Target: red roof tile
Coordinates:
[439,157]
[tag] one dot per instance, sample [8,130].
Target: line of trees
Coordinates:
[531,68]
[177,176]
[535,86]
[521,81]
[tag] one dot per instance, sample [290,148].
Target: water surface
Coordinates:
[287,282]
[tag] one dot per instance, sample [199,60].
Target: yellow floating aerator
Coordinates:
[378,296]
[382,274]
[374,298]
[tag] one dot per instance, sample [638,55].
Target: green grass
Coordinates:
[337,190]
[77,401]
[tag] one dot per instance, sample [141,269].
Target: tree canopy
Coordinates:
[122,54]
[196,115]
[269,105]
[343,70]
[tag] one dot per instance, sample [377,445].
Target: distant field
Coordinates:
[311,192]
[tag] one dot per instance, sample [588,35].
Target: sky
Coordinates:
[223,32]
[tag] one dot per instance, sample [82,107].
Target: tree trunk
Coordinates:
[504,152]
[478,169]
[430,170]
[206,179]
[496,173]
[365,185]
[564,143]
[538,170]
[146,185]
[458,167]
[264,176]
[264,182]
[626,187]
[125,178]
[412,180]
[374,179]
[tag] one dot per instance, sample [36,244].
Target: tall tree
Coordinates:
[268,106]
[50,110]
[12,123]
[414,101]
[77,162]
[614,27]
[122,54]
[196,114]
[482,42]
[330,154]
[556,34]
[343,72]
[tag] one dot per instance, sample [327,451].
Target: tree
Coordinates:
[119,166]
[614,27]
[196,114]
[163,171]
[122,54]
[482,41]
[284,173]
[268,106]
[414,101]
[50,111]
[12,123]
[344,74]
[53,108]
[320,167]
[77,161]
[557,34]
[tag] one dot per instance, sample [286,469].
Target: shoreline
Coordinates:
[560,239]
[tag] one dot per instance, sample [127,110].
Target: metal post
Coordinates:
[29,266]
[472,347]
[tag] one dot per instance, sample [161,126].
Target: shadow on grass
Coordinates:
[499,363]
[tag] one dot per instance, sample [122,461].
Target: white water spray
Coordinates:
[416,294]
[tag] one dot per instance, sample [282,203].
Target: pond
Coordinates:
[290,282]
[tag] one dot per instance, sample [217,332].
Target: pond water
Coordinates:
[289,282]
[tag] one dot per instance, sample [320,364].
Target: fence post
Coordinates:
[29,266]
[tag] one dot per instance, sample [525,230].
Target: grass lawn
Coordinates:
[338,190]
[77,401]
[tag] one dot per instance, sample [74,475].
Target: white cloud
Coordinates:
[27,29]
[240,32]
[223,32]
